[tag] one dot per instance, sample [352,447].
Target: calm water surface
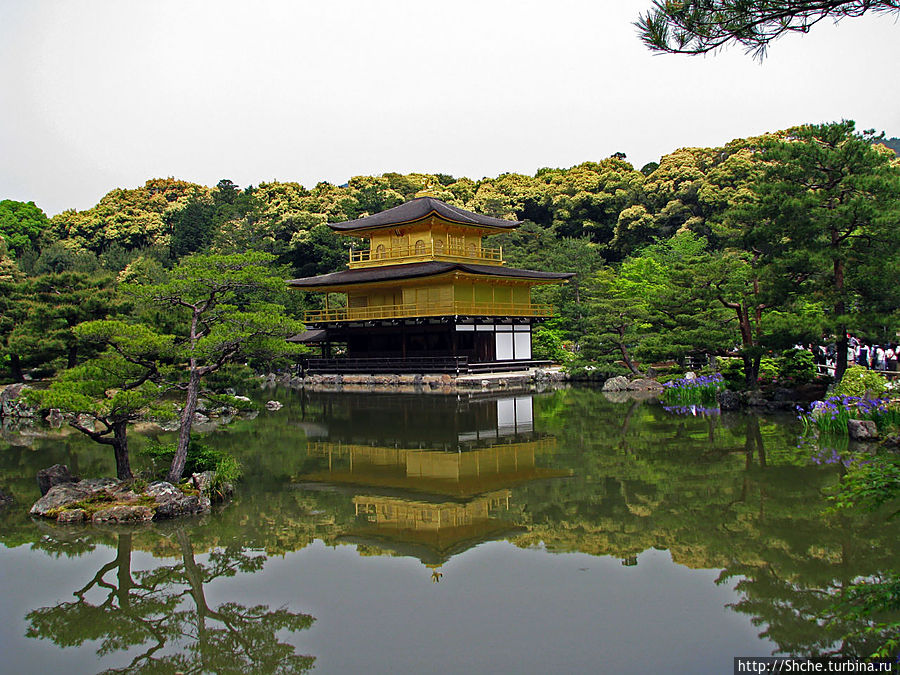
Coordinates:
[557,532]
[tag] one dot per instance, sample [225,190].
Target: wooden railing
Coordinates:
[413,310]
[427,251]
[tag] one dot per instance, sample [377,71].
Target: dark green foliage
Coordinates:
[200,457]
[317,251]
[22,224]
[547,344]
[870,483]
[701,26]
[823,219]
[860,381]
[192,228]
[115,389]
[58,258]
[116,258]
[237,376]
[227,310]
[53,305]
[796,365]
[732,370]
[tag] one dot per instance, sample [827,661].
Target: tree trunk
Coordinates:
[123,562]
[626,357]
[72,356]
[751,369]
[623,350]
[194,577]
[120,449]
[184,433]
[15,366]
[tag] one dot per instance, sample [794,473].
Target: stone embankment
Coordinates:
[11,405]
[419,383]
[68,499]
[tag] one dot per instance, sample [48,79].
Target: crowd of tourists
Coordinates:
[882,357]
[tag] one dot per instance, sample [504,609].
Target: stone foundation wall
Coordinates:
[421,383]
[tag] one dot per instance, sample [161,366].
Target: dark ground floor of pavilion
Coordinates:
[418,345]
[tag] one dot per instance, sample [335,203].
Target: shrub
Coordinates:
[797,365]
[547,344]
[768,369]
[860,381]
[200,458]
[232,376]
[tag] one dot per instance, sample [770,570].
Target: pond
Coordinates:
[385,533]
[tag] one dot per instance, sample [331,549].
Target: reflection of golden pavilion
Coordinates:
[457,474]
[432,531]
[444,496]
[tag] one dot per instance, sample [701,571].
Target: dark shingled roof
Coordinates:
[420,208]
[315,335]
[423,269]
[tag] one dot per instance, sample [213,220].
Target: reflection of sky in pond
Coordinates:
[497,609]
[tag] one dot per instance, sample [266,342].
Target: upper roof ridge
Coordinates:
[419,208]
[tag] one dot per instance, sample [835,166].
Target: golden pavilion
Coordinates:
[426,289]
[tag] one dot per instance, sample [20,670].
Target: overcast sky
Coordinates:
[99,94]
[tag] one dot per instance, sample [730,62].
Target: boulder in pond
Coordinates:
[123,513]
[728,400]
[644,384]
[862,430]
[67,494]
[173,503]
[54,475]
[72,516]
[618,383]
[274,405]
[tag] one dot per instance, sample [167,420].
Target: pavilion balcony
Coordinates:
[424,252]
[412,311]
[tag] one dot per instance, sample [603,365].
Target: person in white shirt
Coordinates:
[879,358]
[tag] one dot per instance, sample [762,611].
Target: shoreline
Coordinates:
[422,383]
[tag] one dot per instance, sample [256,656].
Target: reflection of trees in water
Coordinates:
[729,492]
[164,612]
[800,613]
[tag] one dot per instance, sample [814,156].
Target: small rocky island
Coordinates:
[68,499]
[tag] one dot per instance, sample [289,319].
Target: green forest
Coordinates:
[738,250]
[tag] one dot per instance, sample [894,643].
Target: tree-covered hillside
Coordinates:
[694,252]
